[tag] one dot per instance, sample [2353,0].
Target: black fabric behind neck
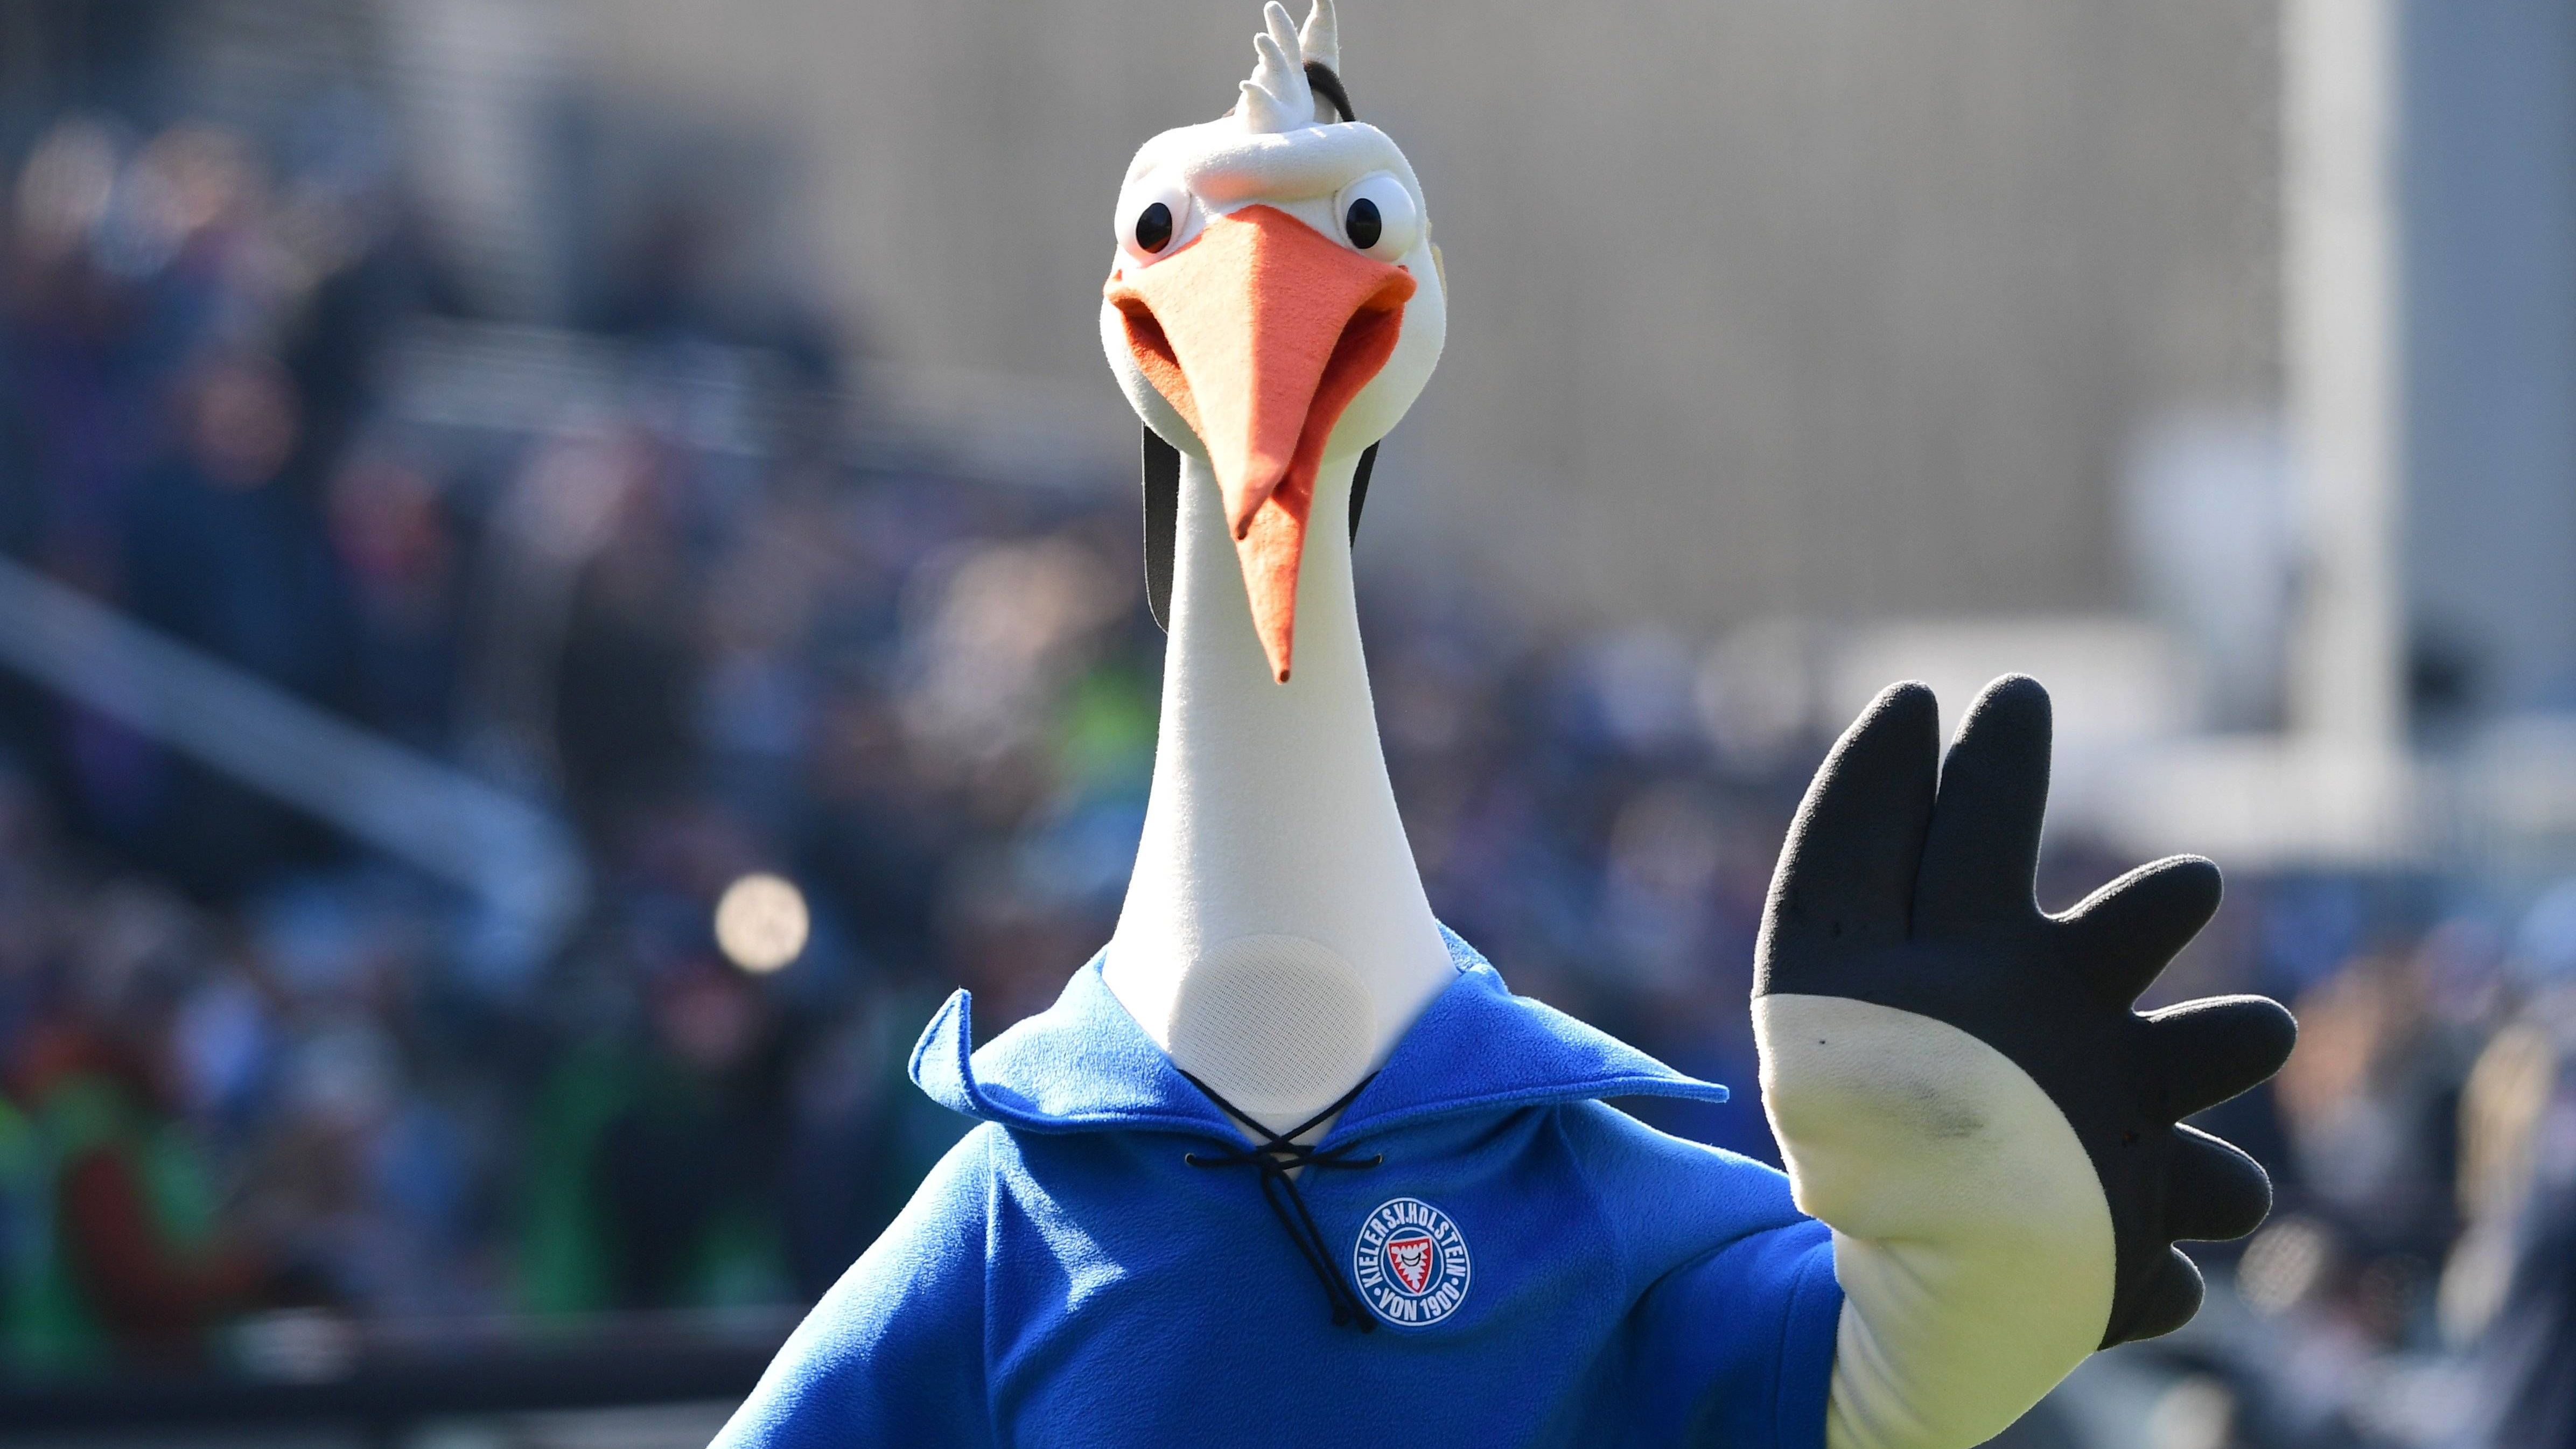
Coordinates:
[1162,524]
[1359,488]
[1162,488]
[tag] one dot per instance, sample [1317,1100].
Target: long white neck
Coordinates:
[1275,939]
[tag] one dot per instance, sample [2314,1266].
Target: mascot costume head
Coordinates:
[1275,303]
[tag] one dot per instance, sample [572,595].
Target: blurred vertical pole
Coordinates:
[2341,309]
[481,87]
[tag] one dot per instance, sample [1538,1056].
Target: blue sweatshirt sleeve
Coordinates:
[1731,1341]
[894,1354]
[1739,1343]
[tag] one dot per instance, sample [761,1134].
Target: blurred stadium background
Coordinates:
[568,567]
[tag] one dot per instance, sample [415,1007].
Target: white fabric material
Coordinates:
[1273,1021]
[1271,817]
[1971,1236]
[1276,96]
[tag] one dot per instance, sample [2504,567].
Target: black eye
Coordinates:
[1361,223]
[1154,227]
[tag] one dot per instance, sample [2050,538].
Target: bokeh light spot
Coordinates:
[761,922]
[2283,1265]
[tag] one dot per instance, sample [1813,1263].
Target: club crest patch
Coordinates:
[1411,1263]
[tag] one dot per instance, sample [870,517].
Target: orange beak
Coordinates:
[1259,333]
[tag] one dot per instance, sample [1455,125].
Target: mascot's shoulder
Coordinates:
[1657,1188]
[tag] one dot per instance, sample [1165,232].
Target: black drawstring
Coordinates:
[1277,1155]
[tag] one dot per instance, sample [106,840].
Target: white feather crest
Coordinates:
[1276,97]
[1321,38]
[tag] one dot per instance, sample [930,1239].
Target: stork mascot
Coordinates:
[1289,1164]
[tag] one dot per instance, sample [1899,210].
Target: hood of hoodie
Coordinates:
[1084,1065]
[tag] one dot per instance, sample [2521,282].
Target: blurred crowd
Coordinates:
[248,1067]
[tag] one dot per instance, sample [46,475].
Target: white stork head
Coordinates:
[1274,300]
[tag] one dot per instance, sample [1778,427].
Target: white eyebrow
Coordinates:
[1223,164]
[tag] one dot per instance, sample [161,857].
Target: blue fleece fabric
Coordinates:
[1064,1278]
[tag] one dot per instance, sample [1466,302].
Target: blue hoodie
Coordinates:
[1544,1269]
